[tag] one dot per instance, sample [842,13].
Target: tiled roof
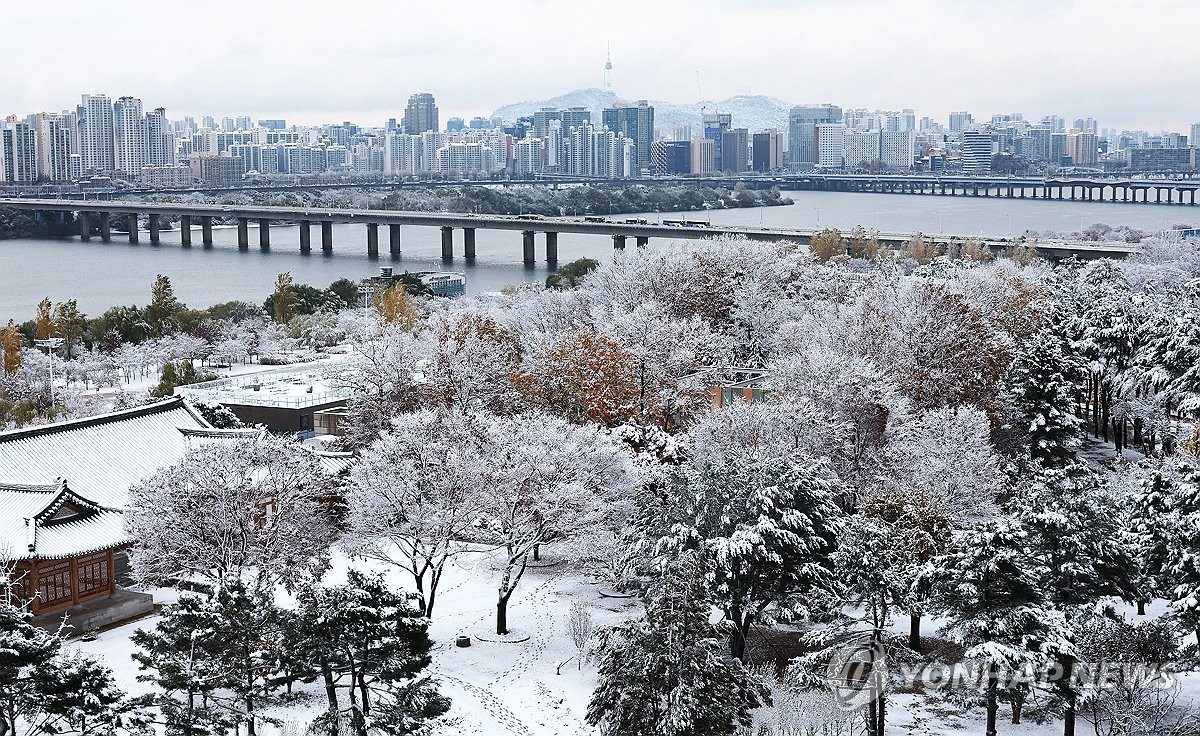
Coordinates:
[28,527]
[100,456]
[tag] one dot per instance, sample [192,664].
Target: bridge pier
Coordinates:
[551,247]
[185,230]
[469,242]
[85,226]
[305,236]
[447,243]
[528,256]
[394,240]
[243,233]
[105,227]
[133,227]
[619,242]
[154,225]
[643,241]
[264,234]
[326,237]
[373,239]
[206,230]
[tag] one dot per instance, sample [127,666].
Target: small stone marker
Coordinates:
[462,641]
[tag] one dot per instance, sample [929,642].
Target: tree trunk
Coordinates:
[502,615]
[992,705]
[1017,703]
[330,687]
[1069,716]
[1141,608]
[914,631]
[537,553]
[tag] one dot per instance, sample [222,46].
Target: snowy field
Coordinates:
[496,688]
[514,688]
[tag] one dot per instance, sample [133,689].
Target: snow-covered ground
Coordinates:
[514,688]
[496,688]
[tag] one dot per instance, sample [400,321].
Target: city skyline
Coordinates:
[1061,58]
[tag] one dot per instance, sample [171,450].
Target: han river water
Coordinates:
[100,275]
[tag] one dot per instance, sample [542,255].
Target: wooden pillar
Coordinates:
[112,574]
[468,242]
[73,580]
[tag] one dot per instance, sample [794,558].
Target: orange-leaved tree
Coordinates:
[583,376]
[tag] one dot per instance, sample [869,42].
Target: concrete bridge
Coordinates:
[1078,189]
[99,215]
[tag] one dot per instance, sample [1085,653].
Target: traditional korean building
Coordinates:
[63,492]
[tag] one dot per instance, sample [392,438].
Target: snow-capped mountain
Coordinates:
[754,112]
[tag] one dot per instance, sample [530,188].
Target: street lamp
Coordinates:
[53,343]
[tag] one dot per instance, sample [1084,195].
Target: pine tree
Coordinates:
[1044,390]
[366,640]
[667,675]
[994,608]
[162,314]
[211,659]
[44,688]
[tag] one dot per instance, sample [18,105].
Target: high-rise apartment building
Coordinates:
[160,138]
[862,147]
[96,149]
[1082,147]
[18,151]
[1194,138]
[637,124]
[671,158]
[959,121]
[897,148]
[421,115]
[802,123]
[53,148]
[130,135]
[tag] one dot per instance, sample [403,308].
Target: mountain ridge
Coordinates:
[755,112]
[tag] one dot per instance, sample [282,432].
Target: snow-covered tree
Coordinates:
[370,650]
[761,511]
[993,607]
[472,360]
[416,495]
[249,507]
[1045,387]
[384,374]
[550,481]
[212,660]
[45,688]
[667,675]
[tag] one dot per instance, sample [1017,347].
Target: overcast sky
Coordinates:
[1131,64]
